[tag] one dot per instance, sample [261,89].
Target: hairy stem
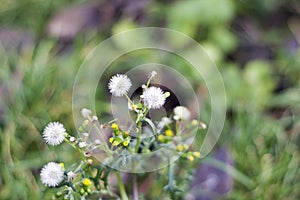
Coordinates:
[121,187]
[138,137]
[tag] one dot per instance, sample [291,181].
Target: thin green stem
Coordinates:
[121,187]
[138,137]
[149,80]
[171,181]
[77,149]
[102,138]
[128,99]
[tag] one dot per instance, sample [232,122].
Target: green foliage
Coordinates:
[185,16]
[250,88]
[262,128]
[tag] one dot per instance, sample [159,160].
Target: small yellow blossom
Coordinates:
[115,143]
[190,158]
[86,182]
[86,122]
[126,143]
[197,154]
[126,133]
[90,161]
[133,106]
[161,138]
[167,94]
[195,122]
[185,146]
[62,165]
[180,147]
[169,133]
[111,140]
[115,126]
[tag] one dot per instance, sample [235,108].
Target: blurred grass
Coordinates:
[262,127]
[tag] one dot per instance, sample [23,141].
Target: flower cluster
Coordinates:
[115,141]
[119,137]
[165,131]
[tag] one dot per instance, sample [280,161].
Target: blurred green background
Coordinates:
[255,44]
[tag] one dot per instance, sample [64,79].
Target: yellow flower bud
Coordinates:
[195,122]
[190,158]
[167,94]
[115,143]
[125,143]
[86,182]
[111,140]
[185,146]
[86,122]
[161,138]
[180,147]
[62,165]
[169,133]
[197,154]
[126,134]
[133,107]
[115,126]
[90,161]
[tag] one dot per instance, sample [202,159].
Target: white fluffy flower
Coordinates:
[54,133]
[181,113]
[119,85]
[154,97]
[52,174]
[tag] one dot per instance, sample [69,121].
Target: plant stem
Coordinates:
[138,137]
[121,187]
[135,188]
[77,149]
[171,180]
[102,138]
[128,99]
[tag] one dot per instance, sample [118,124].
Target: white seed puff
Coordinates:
[119,85]
[154,98]
[52,174]
[54,133]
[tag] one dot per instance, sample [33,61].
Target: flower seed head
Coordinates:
[54,133]
[119,85]
[52,174]
[153,97]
